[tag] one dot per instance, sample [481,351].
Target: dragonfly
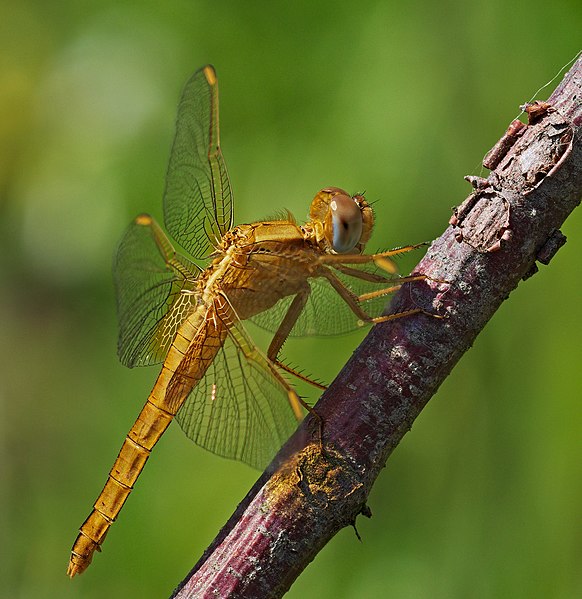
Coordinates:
[228,395]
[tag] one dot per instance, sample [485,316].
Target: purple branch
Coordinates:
[511,219]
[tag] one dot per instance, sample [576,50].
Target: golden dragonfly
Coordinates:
[229,396]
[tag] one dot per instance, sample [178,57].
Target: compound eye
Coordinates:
[346,223]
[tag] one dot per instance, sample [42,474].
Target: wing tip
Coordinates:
[144,220]
[210,74]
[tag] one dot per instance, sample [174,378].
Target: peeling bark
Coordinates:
[496,235]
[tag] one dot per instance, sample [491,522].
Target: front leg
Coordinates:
[353,301]
[382,259]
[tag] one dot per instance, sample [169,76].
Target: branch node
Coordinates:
[482,220]
[536,110]
[553,243]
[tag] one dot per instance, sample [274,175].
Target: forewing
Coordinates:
[238,410]
[326,312]
[150,281]
[198,197]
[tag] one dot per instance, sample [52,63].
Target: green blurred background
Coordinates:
[484,497]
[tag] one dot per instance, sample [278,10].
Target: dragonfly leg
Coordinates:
[353,301]
[376,278]
[279,338]
[364,275]
[295,400]
[300,375]
[287,323]
[253,354]
[386,290]
[349,298]
[381,259]
[282,333]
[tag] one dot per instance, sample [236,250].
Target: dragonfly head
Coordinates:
[342,223]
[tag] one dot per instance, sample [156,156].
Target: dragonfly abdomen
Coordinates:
[144,434]
[178,376]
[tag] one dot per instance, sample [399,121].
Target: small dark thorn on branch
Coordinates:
[366,511]
[353,524]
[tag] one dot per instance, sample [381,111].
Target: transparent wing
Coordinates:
[198,197]
[238,410]
[149,282]
[326,313]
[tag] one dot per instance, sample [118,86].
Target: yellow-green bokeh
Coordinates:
[483,498]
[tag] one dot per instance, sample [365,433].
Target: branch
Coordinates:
[305,496]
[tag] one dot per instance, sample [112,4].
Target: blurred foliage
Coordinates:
[483,498]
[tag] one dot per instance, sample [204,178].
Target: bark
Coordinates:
[495,237]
